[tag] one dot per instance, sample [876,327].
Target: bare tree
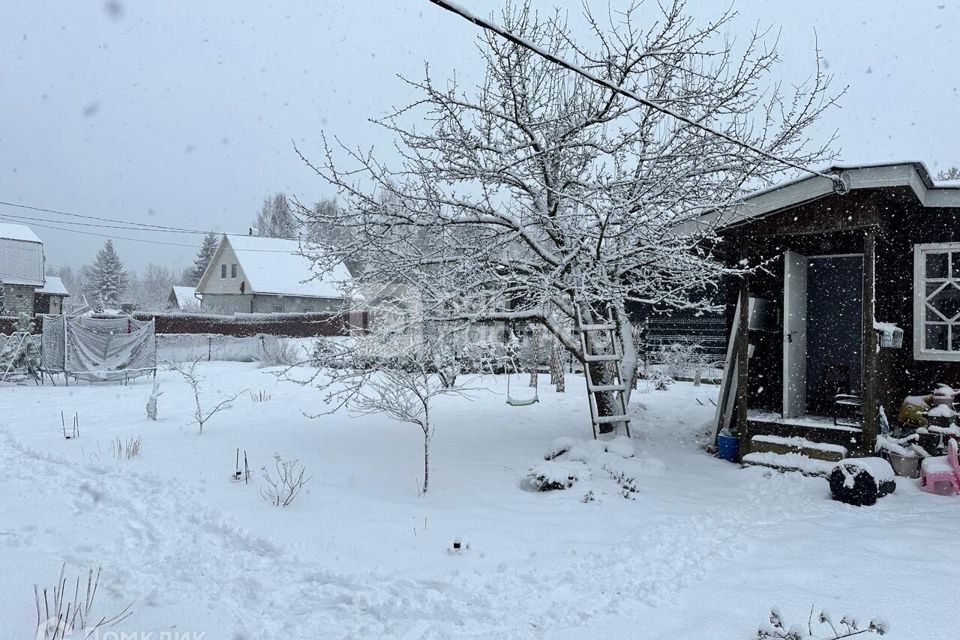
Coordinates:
[200,415]
[398,370]
[540,192]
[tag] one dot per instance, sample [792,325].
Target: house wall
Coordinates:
[226,303]
[906,223]
[217,285]
[263,303]
[835,225]
[18,298]
[49,304]
[21,261]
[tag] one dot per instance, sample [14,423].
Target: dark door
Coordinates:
[834,330]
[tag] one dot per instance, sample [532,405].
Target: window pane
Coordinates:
[936,337]
[933,287]
[223,271]
[937,265]
[933,316]
[946,301]
[955,338]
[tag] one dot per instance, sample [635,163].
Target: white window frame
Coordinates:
[920,352]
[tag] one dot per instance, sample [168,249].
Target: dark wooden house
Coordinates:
[836,270]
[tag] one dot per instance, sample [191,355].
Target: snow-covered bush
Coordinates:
[556,476]
[559,446]
[20,352]
[61,615]
[821,627]
[277,352]
[283,488]
[685,358]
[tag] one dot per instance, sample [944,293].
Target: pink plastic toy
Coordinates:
[941,475]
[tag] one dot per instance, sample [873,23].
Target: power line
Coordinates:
[124,227]
[58,212]
[9,218]
[838,184]
[101,235]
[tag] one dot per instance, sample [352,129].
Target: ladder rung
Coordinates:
[602,357]
[608,419]
[598,327]
[600,388]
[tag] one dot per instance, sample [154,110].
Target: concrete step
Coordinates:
[786,462]
[795,444]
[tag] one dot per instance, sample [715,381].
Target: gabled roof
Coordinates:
[185,297]
[275,266]
[53,287]
[811,187]
[18,232]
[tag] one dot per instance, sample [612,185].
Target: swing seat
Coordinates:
[522,403]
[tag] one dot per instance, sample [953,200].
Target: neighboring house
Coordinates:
[183,299]
[843,266]
[49,298]
[254,274]
[21,267]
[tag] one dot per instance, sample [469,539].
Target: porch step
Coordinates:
[785,462]
[783,445]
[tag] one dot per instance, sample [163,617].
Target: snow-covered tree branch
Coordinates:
[539,192]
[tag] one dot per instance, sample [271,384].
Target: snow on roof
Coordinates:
[185,297]
[53,286]
[18,232]
[274,265]
[805,188]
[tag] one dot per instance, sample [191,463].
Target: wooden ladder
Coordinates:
[615,357]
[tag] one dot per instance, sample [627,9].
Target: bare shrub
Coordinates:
[279,353]
[125,450]
[259,396]
[819,627]
[201,415]
[60,616]
[281,490]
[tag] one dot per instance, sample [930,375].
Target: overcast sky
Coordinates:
[184,113]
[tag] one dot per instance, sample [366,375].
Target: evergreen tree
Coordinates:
[204,256]
[276,219]
[109,281]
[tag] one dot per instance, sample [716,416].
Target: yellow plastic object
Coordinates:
[911,413]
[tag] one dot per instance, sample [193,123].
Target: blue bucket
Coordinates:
[727,447]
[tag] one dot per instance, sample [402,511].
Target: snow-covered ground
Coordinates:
[703,550]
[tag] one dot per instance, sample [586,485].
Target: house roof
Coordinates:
[912,174]
[275,266]
[18,232]
[53,287]
[185,297]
